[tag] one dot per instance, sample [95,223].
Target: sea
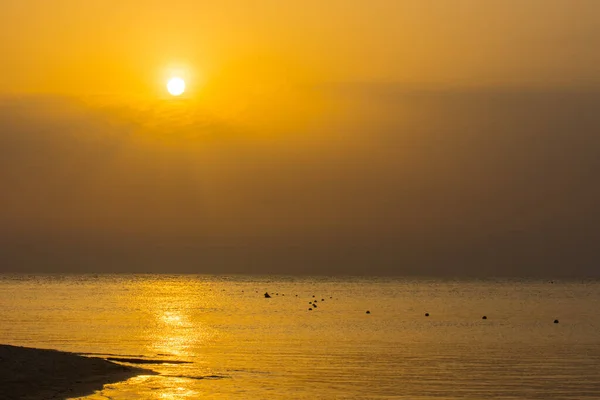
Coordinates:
[219,337]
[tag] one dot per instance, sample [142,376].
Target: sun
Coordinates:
[176,86]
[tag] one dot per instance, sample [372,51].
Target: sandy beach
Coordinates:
[28,374]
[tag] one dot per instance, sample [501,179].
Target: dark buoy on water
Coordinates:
[427,314]
[556,321]
[267,295]
[368,312]
[484,317]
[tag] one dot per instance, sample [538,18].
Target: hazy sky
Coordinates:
[454,137]
[84,47]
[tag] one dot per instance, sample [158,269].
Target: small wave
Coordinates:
[146,360]
[112,354]
[198,377]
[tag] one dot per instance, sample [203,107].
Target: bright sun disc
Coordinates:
[176,86]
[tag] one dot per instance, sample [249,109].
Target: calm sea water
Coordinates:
[241,345]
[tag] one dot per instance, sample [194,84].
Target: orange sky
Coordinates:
[339,136]
[125,46]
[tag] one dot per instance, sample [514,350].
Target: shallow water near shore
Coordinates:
[218,337]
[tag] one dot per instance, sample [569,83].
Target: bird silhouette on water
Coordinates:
[267,295]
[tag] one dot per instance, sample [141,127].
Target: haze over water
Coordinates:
[241,345]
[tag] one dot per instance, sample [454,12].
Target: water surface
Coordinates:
[218,337]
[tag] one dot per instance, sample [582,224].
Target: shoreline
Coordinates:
[31,374]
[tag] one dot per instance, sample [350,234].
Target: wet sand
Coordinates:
[29,374]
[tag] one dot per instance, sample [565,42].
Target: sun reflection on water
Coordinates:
[172,318]
[178,392]
[178,324]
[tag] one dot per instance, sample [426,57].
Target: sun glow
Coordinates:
[176,86]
